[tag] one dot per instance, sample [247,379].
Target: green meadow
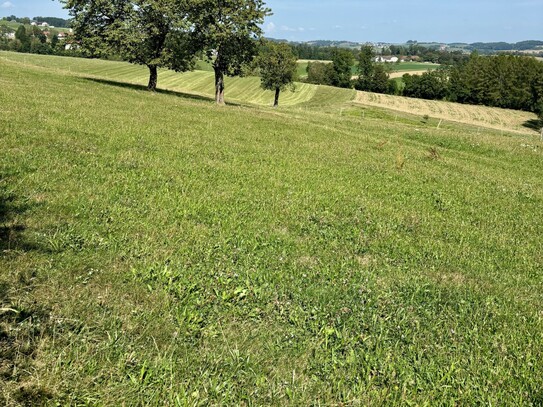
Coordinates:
[159,250]
[393,68]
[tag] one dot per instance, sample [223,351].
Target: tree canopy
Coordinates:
[226,31]
[146,32]
[277,65]
[342,60]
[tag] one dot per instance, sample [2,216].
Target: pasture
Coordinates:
[159,250]
[397,70]
[247,90]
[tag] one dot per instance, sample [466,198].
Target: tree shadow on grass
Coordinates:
[11,229]
[534,124]
[23,321]
[132,86]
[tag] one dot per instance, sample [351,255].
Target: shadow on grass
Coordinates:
[534,124]
[11,229]
[133,86]
[23,321]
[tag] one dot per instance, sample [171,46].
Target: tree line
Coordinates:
[505,81]
[367,76]
[172,34]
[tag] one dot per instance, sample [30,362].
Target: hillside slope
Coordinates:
[247,90]
[159,250]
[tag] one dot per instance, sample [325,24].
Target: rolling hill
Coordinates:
[157,249]
[247,90]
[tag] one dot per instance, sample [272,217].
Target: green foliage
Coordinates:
[21,34]
[320,73]
[372,76]
[146,32]
[430,85]
[226,31]
[342,62]
[366,62]
[502,81]
[53,21]
[278,67]
[379,80]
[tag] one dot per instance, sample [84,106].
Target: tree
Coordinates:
[153,33]
[54,41]
[342,60]
[227,31]
[430,85]
[379,80]
[23,38]
[277,66]
[366,68]
[320,73]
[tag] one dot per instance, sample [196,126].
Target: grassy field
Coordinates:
[396,70]
[247,90]
[407,67]
[159,250]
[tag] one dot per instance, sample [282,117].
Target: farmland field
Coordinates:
[247,90]
[413,66]
[500,119]
[159,250]
[397,70]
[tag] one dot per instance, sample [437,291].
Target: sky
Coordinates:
[394,21]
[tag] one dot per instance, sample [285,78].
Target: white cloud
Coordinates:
[292,29]
[7,4]
[270,27]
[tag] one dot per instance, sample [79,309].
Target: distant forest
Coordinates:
[54,21]
[504,46]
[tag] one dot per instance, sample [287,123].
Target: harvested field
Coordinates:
[490,117]
[399,74]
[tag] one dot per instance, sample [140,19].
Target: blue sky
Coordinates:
[375,20]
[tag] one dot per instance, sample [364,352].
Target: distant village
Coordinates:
[58,36]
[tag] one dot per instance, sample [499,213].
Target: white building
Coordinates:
[387,59]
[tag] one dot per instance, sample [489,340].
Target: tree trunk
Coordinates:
[276,101]
[219,86]
[153,78]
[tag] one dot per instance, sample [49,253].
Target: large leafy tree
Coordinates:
[320,73]
[366,68]
[23,37]
[277,66]
[146,32]
[343,60]
[227,31]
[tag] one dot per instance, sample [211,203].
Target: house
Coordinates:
[387,59]
[44,25]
